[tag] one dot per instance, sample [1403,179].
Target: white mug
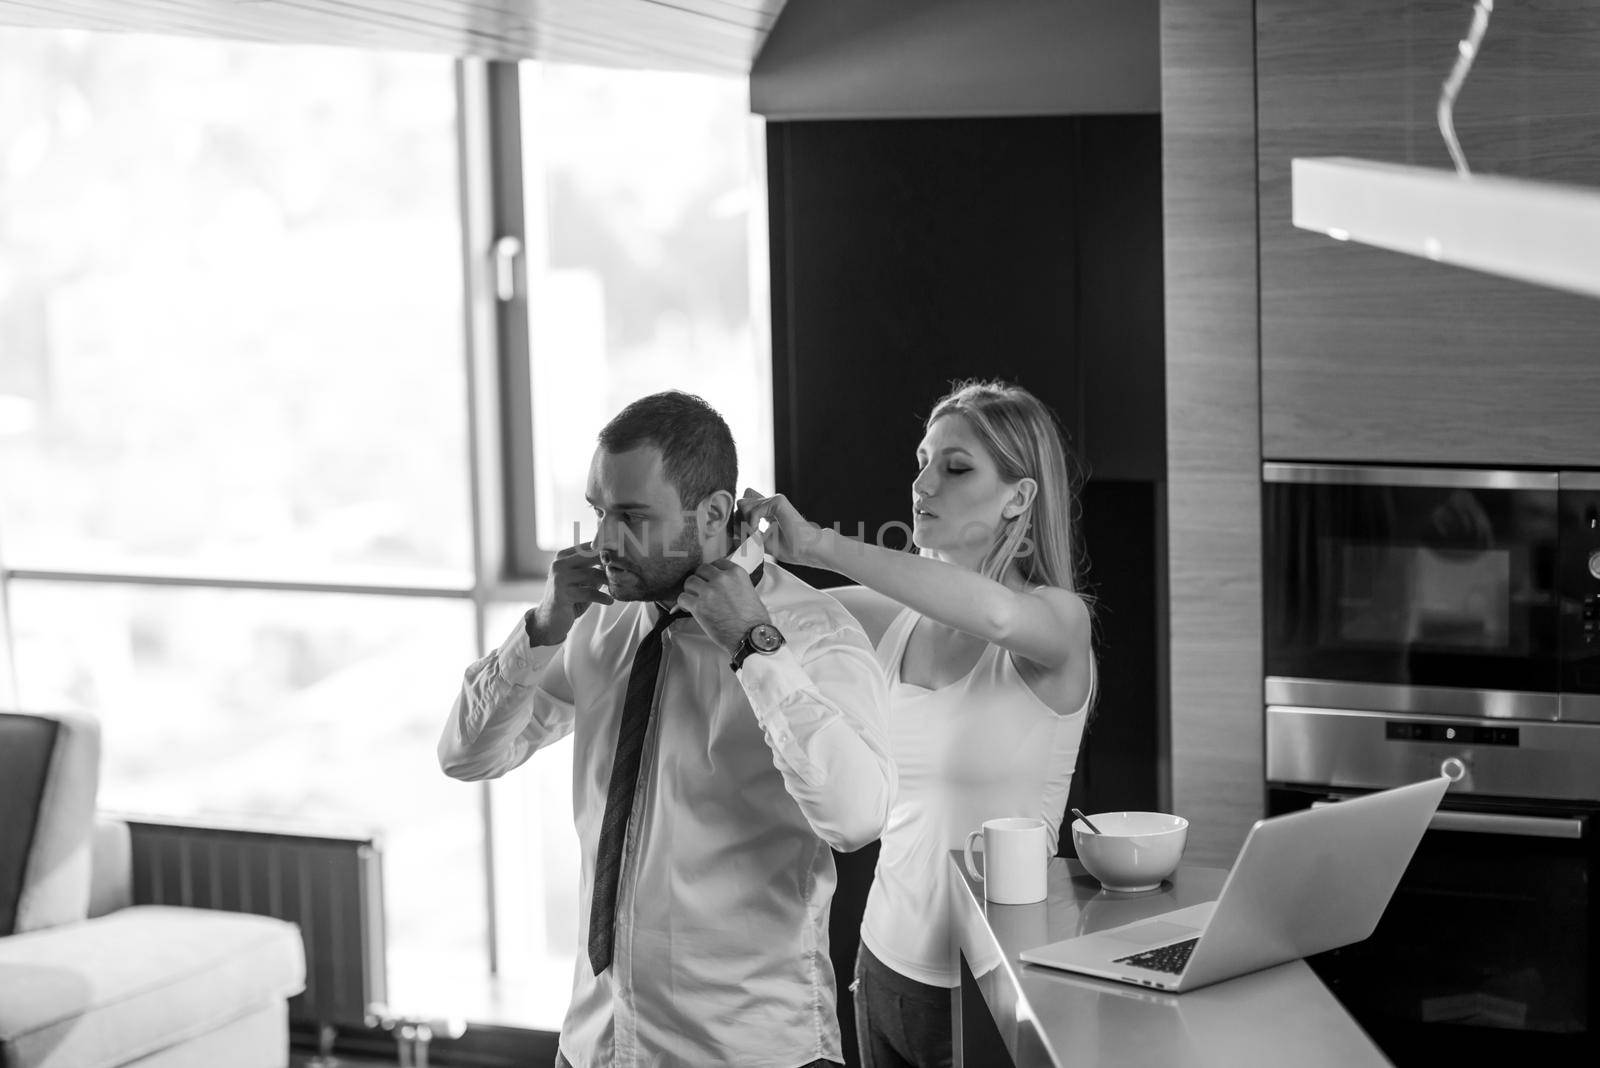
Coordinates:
[1014,860]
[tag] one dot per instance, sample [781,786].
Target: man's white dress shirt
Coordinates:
[721,953]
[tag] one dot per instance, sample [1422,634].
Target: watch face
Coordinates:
[765,637]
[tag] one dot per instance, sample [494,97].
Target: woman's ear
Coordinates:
[1021,498]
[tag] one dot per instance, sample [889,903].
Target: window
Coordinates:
[237,440]
[231,354]
[646,265]
[646,237]
[312,710]
[230,292]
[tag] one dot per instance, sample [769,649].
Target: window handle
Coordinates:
[507,251]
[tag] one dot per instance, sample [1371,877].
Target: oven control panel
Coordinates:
[1358,749]
[1452,733]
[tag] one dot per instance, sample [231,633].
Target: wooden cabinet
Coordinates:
[1213,600]
[1372,355]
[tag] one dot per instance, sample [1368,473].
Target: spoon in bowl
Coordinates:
[1086,822]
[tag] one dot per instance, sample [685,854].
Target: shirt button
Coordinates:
[783,736]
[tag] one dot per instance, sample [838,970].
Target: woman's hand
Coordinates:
[790,536]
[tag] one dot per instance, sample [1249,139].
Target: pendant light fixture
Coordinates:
[1547,233]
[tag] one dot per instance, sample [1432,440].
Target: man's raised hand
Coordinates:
[575,582]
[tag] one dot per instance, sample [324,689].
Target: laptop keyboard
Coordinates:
[1166,959]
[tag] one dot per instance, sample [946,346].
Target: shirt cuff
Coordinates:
[515,653]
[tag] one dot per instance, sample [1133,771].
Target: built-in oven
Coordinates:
[1491,943]
[1426,621]
[1448,591]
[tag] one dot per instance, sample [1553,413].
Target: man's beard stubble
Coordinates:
[661,576]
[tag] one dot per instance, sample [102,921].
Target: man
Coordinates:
[716,758]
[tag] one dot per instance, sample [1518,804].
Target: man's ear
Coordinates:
[717,515]
[1021,498]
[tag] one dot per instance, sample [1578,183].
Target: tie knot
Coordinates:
[667,618]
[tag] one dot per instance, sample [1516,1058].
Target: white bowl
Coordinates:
[1134,850]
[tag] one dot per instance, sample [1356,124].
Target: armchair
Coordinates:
[88,980]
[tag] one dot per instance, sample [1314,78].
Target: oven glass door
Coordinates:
[1412,577]
[1489,942]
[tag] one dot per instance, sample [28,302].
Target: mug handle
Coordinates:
[972,868]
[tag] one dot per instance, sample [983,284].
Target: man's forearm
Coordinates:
[824,720]
[501,715]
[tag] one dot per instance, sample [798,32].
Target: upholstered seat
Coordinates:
[152,986]
[140,981]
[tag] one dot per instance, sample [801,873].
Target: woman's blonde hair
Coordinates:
[1025,439]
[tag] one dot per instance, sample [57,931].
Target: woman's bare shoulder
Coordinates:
[1066,686]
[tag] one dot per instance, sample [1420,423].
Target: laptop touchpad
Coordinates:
[1148,934]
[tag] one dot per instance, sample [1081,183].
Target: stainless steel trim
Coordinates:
[1495,823]
[1580,708]
[1580,480]
[1444,477]
[1422,700]
[1351,748]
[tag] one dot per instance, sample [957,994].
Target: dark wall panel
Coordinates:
[1120,320]
[1117,763]
[907,254]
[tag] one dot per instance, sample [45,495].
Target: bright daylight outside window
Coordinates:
[231,354]
[647,268]
[647,249]
[231,346]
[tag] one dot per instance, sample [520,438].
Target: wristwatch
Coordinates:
[762,638]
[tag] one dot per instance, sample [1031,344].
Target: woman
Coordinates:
[986,645]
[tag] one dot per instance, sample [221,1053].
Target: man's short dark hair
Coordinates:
[697,453]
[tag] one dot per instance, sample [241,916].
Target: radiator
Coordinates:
[331,886]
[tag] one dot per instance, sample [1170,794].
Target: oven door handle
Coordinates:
[1494,823]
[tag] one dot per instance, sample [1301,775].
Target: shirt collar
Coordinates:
[664,607]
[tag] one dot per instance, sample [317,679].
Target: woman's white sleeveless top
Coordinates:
[983,747]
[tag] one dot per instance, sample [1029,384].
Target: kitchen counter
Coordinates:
[1046,1018]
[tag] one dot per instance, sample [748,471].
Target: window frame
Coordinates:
[495,231]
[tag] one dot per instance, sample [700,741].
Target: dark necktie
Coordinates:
[619,795]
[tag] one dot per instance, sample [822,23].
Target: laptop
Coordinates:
[1305,882]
